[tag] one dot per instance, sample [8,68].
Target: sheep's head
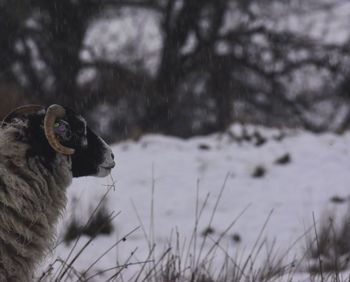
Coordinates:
[60,130]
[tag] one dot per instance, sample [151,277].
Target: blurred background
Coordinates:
[179,67]
[196,67]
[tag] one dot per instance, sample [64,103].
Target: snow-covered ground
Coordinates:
[318,170]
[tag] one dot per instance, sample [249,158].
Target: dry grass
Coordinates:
[196,259]
[329,248]
[99,223]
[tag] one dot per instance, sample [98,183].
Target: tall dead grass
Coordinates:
[204,257]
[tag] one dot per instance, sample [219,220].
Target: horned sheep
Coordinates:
[41,150]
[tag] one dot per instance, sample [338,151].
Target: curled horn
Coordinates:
[26,109]
[53,112]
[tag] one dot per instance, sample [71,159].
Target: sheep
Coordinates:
[41,150]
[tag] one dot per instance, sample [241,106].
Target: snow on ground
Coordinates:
[319,170]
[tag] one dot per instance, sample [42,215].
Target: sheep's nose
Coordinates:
[112,155]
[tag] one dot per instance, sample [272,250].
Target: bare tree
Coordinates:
[215,56]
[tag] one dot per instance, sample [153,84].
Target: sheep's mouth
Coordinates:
[109,167]
[104,170]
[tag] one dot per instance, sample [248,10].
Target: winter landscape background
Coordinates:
[304,178]
[216,110]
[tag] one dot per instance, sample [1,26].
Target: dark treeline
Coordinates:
[219,61]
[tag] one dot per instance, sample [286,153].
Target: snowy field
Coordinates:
[292,189]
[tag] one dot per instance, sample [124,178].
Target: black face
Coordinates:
[91,158]
[92,155]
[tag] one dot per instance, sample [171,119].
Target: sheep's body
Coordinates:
[32,196]
[41,150]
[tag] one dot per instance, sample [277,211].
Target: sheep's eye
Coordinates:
[62,129]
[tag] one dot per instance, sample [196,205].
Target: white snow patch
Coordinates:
[319,169]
